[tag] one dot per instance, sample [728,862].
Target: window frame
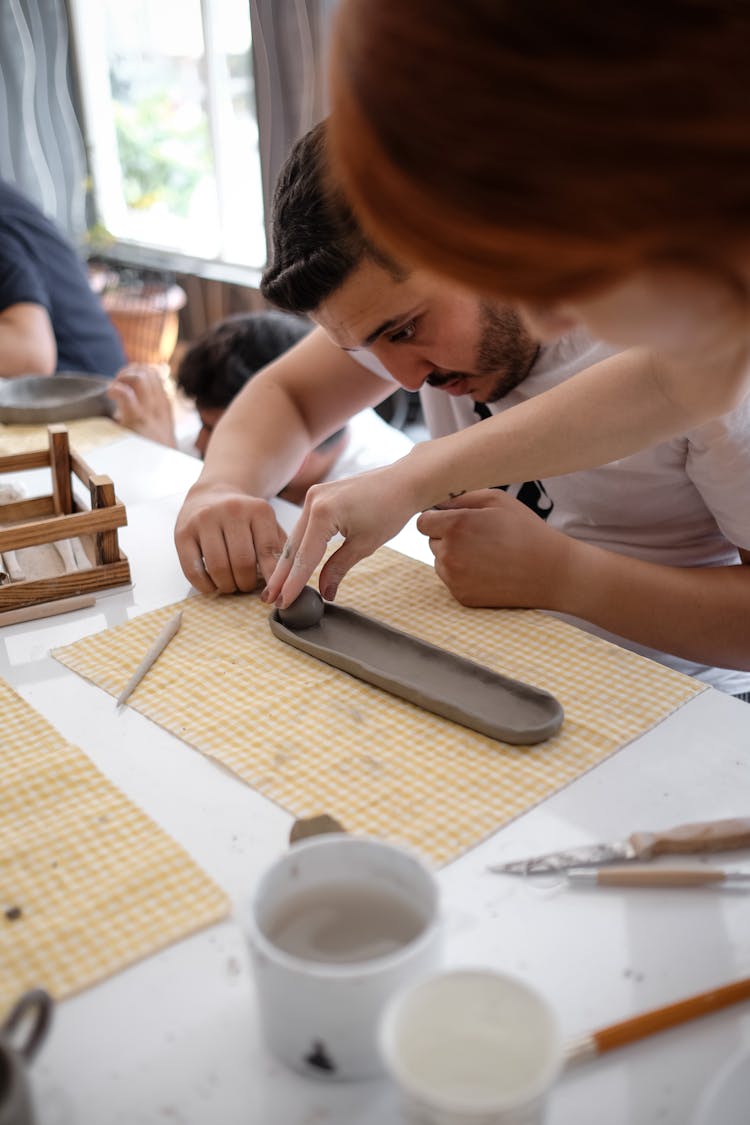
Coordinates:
[86,19]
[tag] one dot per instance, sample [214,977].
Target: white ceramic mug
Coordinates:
[472,1047]
[320,1012]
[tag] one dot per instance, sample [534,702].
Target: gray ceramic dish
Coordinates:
[53,398]
[432,678]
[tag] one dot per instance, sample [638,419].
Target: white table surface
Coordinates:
[174,1039]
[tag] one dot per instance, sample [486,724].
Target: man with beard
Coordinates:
[617,538]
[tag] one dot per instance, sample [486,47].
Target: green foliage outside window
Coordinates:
[162,158]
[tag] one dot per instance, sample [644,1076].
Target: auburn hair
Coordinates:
[539,149]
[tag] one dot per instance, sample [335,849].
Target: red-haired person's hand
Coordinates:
[367,510]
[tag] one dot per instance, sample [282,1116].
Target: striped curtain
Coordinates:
[41,148]
[290,39]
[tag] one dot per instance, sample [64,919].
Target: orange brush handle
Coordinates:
[619,1034]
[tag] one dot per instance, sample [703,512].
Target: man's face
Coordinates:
[426,330]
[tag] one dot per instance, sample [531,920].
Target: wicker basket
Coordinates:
[146,319]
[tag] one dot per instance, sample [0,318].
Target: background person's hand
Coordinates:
[224,538]
[142,402]
[491,550]
[367,510]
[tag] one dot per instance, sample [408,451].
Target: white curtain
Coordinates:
[290,40]
[41,148]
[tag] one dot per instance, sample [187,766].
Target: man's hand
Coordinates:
[142,403]
[226,539]
[491,550]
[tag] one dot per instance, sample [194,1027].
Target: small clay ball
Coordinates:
[304,612]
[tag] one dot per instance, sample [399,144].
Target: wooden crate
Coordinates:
[48,519]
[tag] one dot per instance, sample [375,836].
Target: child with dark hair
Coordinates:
[216,367]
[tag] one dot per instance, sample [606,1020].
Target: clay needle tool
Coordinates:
[597,1043]
[645,876]
[153,654]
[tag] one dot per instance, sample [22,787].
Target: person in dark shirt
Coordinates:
[50,320]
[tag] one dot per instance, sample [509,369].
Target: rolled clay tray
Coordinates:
[432,678]
[29,399]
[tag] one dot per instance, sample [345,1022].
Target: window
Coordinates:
[171,126]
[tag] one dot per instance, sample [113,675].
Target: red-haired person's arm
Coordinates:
[625,403]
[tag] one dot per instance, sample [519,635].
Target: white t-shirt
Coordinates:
[372,444]
[683,502]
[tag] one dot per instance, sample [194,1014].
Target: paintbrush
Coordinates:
[596,1043]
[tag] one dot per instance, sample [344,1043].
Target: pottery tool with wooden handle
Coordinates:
[687,839]
[638,875]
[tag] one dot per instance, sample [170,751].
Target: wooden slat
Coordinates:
[83,471]
[103,498]
[47,519]
[36,459]
[59,459]
[46,609]
[62,527]
[17,510]
[18,594]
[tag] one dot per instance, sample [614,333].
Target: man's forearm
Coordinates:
[284,412]
[697,613]
[258,445]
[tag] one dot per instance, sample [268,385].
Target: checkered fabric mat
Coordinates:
[88,884]
[85,433]
[316,740]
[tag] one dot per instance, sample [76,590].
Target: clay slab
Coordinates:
[432,678]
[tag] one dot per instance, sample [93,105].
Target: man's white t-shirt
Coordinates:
[372,444]
[683,502]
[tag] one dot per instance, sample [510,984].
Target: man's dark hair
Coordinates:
[316,240]
[216,367]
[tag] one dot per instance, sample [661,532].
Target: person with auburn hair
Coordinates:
[589,164]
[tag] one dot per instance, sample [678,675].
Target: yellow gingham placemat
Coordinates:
[88,884]
[316,740]
[84,433]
